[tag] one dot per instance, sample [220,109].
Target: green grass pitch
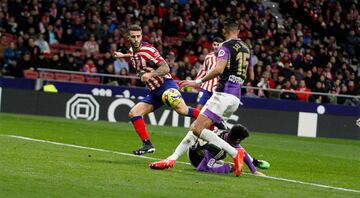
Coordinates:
[40,169]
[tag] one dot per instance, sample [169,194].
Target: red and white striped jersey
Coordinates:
[209,63]
[147,58]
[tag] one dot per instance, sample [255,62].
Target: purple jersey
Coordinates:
[237,55]
[209,163]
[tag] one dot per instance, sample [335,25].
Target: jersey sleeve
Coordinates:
[152,55]
[157,57]
[131,51]
[223,53]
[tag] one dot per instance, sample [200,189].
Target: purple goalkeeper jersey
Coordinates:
[211,165]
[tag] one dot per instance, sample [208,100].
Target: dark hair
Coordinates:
[238,131]
[135,27]
[218,40]
[231,24]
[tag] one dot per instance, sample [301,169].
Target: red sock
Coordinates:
[211,128]
[193,112]
[140,127]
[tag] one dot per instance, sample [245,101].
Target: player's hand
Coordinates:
[146,76]
[187,83]
[358,122]
[259,174]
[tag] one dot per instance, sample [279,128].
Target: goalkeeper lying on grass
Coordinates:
[208,158]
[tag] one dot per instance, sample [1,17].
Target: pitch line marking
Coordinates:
[179,162]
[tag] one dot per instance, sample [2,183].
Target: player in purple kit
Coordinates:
[232,67]
[208,158]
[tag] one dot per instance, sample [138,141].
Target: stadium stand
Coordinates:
[315,41]
[31,74]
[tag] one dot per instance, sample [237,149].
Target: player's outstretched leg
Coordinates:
[181,149]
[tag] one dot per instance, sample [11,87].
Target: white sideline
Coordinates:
[151,158]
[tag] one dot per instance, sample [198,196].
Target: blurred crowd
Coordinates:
[315,48]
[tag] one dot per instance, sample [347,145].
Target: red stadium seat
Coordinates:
[31,74]
[62,76]
[182,34]
[47,75]
[92,80]
[77,78]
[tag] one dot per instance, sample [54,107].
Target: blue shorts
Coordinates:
[154,97]
[203,96]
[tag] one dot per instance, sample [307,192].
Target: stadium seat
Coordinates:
[182,34]
[77,78]
[31,74]
[47,75]
[92,80]
[62,76]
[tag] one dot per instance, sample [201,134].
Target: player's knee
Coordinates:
[196,128]
[131,114]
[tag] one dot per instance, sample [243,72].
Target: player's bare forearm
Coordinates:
[215,72]
[121,55]
[162,70]
[211,75]
[251,74]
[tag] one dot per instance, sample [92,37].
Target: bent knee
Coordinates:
[132,113]
[196,128]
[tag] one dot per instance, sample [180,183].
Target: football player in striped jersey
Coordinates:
[207,88]
[154,72]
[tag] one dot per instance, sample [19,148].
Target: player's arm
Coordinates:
[251,73]
[162,70]
[251,166]
[216,71]
[222,60]
[122,55]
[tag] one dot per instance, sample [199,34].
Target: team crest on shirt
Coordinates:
[221,53]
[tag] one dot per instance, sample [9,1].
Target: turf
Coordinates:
[37,169]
